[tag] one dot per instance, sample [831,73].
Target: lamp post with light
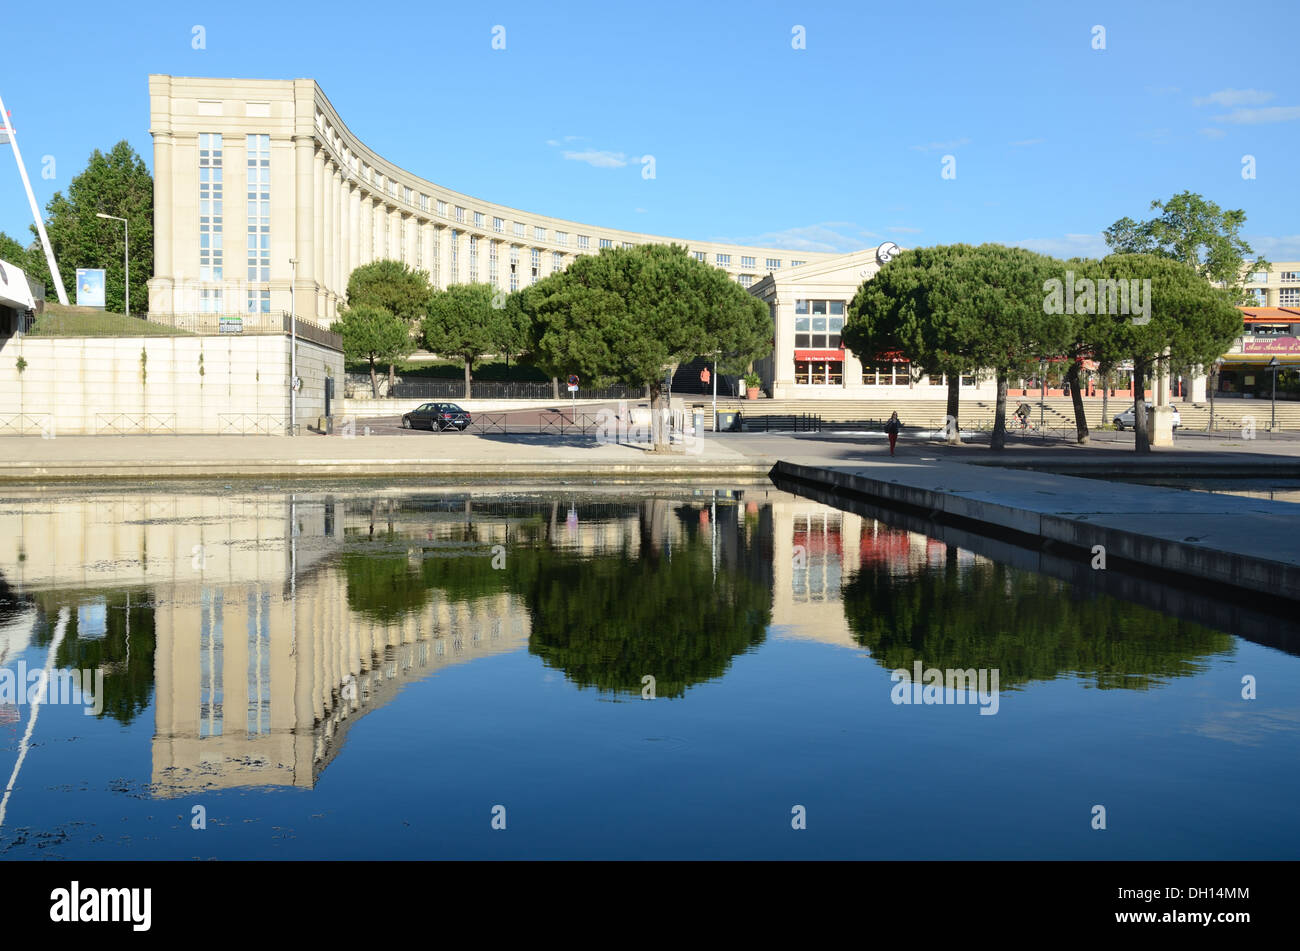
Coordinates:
[126,259]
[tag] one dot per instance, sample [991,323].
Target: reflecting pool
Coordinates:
[390,671]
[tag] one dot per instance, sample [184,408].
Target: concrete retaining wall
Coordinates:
[1242,571]
[123,385]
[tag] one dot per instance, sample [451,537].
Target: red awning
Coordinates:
[819,354]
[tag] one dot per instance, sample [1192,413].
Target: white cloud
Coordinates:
[940,146]
[1234,97]
[831,236]
[1258,116]
[551,142]
[640,211]
[1212,133]
[1067,246]
[598,158]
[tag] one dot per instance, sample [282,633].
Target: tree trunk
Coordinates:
[392,379]
[1076,397]
[659,441]
[555,387]
[1105,399]
[468,377]
[1142,443]
[1213,385]
[998,440]
[954,397]
[374,380]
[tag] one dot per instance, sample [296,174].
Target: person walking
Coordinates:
[892,427]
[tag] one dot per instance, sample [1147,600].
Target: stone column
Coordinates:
[160,296]
[318,217]
[304,221]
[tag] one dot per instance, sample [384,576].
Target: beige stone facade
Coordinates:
[809,305]
[249,174]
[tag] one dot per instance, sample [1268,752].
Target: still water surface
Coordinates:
[370,673]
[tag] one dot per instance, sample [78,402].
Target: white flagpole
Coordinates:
[36,214]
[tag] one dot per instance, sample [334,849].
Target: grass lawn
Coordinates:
[60,321]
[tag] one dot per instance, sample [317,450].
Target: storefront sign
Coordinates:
[819,354]
[1271,345]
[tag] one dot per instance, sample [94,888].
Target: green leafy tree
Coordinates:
[394,287]
[1190,324]
[375,335]
[464,320]
[628,315]
[908,307]
[116,183]
[1196,232]
[15,253]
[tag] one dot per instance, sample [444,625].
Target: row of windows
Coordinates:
[210,210]
[258,244]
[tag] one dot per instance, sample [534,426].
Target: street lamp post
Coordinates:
[1272,425]
[1042,389]
[126,259]
[293,345]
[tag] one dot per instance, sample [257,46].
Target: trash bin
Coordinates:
[697,415]
[727,421]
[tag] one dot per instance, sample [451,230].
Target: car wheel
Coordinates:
[1119,426]
[406,422]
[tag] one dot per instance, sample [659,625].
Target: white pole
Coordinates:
[126,261]
[715,392]
[36,214]
[293,344]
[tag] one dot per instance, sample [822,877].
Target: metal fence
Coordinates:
[81,324]
[501,390]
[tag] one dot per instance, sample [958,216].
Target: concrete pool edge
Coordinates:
[1237,570]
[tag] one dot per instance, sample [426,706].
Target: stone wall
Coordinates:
[188,384]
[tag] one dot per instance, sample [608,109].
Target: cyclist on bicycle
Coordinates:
[1022,414]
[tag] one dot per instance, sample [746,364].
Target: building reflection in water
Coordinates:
[261,624]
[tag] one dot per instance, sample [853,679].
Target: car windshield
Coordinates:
[424,408]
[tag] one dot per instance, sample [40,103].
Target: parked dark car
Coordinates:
[436,417]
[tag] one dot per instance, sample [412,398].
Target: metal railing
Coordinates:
[500,390]
[134,424]
[27,424]
[248,424]
[276,322]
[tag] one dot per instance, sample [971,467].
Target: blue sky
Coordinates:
[833,147]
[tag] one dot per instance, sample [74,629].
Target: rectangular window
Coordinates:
[406,195]
[584,242]
[746,280]
[773,263]
[819,372]
[498,225]
[1290,277]
[419,246]
[700,256]
[562,238]
[460,213]
[519,229]
[1288,297]
[606,243]
[492,263]
[442,208]
[557,261]
[211,300]
[210,207]
[478,219]
[514,269]
[258,221]
[539,233]
[259,302]
[746,262]
[722,260]
[627,245]
[796,263]
[433,269]
[454,276]
[424,202]
[801,307]
[473,258]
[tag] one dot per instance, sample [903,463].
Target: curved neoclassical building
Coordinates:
[249,174]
